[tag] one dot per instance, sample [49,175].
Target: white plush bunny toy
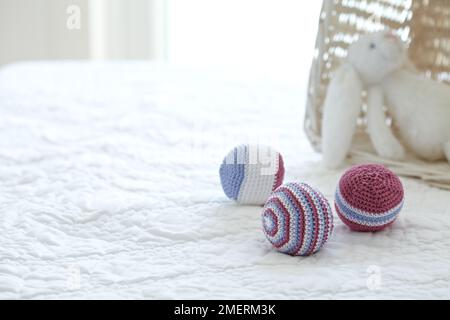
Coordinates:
[420,107]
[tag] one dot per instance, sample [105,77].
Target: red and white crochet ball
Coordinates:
[297,219]
[369,197]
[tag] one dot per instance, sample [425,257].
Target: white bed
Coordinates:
[109,188]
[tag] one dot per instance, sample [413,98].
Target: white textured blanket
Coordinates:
[109,188]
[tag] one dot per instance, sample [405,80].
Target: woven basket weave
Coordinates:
[423,24]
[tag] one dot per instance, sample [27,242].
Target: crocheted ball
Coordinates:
[297,219]
[249,173]
[369,197]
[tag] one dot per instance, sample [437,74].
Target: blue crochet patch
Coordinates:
[232,172]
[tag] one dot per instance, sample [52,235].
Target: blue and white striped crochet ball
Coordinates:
[297,219]
[249,173]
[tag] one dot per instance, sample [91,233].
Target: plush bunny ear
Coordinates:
[341,109]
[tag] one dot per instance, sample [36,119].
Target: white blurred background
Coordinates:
[275,37]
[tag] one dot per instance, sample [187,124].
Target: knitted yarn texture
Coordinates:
[249,173]
[369,197]
[297,219]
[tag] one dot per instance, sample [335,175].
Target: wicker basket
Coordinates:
[423,24]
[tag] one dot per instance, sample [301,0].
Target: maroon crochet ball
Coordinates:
[369,197]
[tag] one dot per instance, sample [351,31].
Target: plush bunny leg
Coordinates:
[383,140]
[341,109]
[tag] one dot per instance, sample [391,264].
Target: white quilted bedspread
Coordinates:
[109,188]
